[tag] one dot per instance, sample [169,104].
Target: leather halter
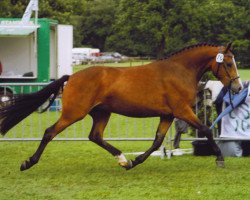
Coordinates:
[217,72]
[228,75]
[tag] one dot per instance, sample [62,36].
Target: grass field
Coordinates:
[81,170]
[244,74]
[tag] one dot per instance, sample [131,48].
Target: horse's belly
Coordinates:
[136,110]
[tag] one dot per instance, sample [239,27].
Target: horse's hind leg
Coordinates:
[49,134]
[100,120]
[163,127]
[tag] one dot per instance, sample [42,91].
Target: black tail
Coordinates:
[21,106]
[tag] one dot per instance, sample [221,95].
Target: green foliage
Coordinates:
[139,28]
[66,12]
[157,27]
[149,27]
[97,20]
[5,8]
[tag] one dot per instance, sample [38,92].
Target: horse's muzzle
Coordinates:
[237,88]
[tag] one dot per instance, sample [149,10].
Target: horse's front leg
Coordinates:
[100,120]
[189,116]
[163,127]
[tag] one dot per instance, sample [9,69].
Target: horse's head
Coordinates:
[225,69]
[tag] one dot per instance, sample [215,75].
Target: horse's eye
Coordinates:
[229,64]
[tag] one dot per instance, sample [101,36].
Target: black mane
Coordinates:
[188,48]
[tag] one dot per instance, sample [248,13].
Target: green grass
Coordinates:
[244,74]
[81,170]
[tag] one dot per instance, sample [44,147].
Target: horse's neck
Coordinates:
[198,60]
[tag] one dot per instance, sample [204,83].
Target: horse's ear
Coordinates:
[229,47]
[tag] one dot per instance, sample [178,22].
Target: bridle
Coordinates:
[220,62]
[225,67]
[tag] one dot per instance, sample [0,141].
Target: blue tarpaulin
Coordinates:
[237,99]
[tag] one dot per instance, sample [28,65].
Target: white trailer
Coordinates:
[38,54]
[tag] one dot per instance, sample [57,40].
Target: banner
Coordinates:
[237,122]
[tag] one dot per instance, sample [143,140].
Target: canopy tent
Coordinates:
[17,30]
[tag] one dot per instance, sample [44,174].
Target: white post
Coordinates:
[32,6]
[35,8]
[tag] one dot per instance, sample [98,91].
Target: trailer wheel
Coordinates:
[4,97]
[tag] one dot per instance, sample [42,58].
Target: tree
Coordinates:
[139,28]
[65,12]
[97,20]
[10,9]
[150,27]
[5,9]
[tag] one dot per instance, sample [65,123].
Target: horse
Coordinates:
[165,88]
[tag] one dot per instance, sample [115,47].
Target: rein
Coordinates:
[220,61]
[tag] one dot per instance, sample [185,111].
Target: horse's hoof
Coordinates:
[24,165]
[128,165]
[220,163]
